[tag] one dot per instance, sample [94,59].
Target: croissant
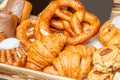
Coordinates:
[42,52]
[73,61]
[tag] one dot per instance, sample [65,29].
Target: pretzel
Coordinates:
[23,31]
[58,16]
[62,24]
[54,8]
[87,32]
[89,28]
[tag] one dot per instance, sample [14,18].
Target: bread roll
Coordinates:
[8,23]
[20,8]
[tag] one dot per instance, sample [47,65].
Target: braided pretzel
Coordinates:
[52,9]
[87,32]
[69,21]
[89,27]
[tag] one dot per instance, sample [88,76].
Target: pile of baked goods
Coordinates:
[12,13]
[53,42]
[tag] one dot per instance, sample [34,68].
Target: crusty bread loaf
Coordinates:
[8,23]
[20,8]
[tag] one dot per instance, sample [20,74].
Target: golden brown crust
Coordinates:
[30,65]
[2,36]
[58,16]
[96,75]
[52,9]
[86,32]
[42,52]
[26,11]
[22,31]
[109,34]
[73,61]
[107,59]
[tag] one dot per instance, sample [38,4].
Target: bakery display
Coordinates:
[53,42]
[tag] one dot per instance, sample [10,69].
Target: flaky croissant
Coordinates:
[73,61]
[42,52]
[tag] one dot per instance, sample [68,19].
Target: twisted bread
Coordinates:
[56,15]
[22,31]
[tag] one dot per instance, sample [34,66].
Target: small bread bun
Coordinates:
[8,23]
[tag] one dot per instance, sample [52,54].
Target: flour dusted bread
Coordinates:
[20,8]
